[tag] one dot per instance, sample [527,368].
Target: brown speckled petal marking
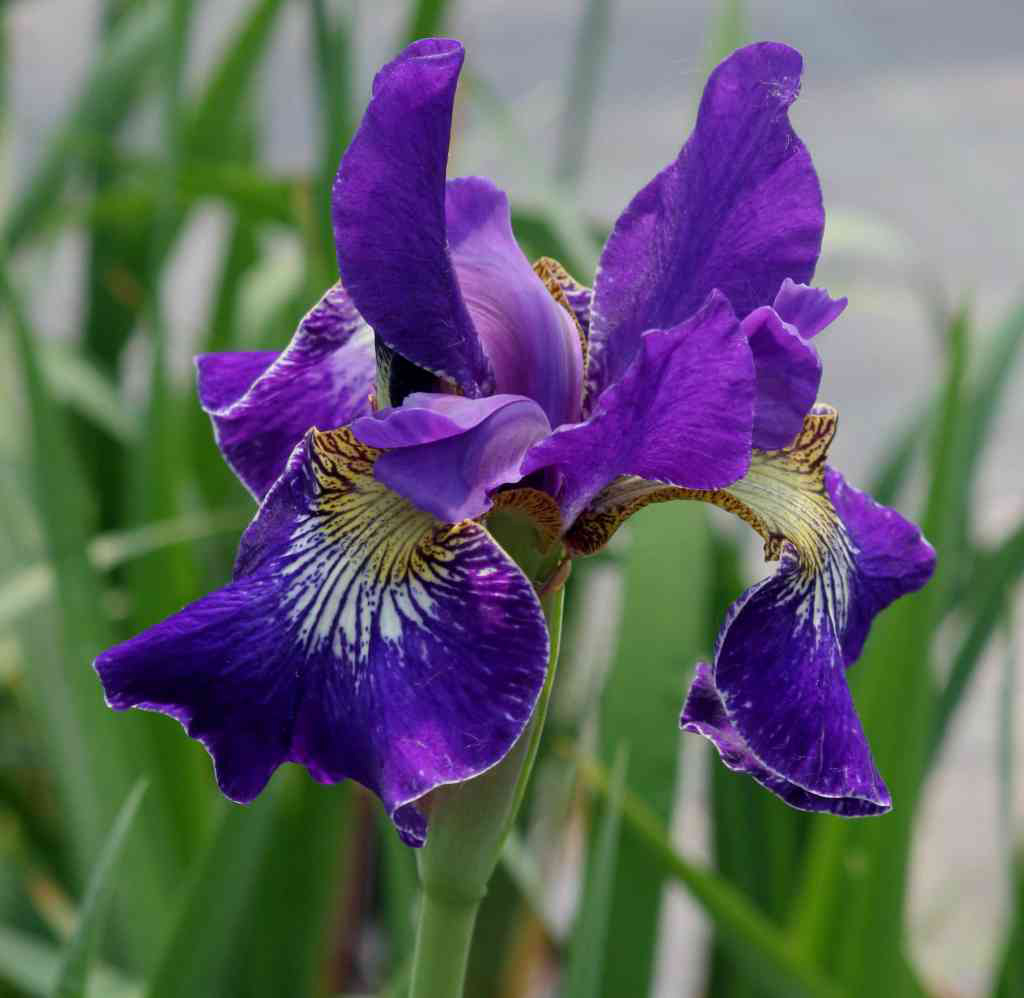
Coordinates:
[570,294]
[782,497]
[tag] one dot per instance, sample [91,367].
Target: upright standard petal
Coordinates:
[739,210]
[787,371]
[775,702]
[533,343]
[388,207]
[262,404]
[681,414]
[448,453]
[809,310]
[360,638]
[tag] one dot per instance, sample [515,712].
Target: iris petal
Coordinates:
[788,373]
[786,715]
[705,714]
[388,207]
[810,310]
[739,210]
[682,413]
[449,453]
[360,638]
[262,404]
[532,342]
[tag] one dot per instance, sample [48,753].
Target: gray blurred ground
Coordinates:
[914,112]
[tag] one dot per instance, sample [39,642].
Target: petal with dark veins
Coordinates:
[360,637]
[388,208]
[739,210]
[262,404]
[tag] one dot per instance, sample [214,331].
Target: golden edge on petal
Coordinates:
[559,282]
[765,497]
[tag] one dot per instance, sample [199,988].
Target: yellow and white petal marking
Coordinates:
[363,560]
[782,496]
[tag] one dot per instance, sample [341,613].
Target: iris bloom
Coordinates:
[374,629]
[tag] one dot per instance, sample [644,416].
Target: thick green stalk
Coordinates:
[443,940]
[469,823]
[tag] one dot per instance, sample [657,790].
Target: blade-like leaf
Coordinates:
[231,82]
[333,64]
[993,581]
[1009,982]
[758,945]
[731,29]
[590,934]
[866,933]
[33,585]
[74,379]
[662,633]
[72,978]
[589,56]
[254,919]
[31,965]
[111,90]
[427,19]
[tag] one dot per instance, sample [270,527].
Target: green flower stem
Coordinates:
[469,823]
[443,940]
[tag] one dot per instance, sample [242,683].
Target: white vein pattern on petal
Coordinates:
[364,565]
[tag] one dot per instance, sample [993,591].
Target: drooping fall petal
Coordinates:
[360,637]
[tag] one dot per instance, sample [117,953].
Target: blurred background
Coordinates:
[164,175]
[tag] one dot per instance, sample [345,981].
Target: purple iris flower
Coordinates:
[375,629]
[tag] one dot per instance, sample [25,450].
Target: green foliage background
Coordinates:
[117,512]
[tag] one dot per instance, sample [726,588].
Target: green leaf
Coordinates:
[256,195]
[754,941]
[75,380]
[589,55]
[231,82]
[590,934]
[894,470]
[31,965]
[661,633]
[1009,982]
[73,973]
[60,500]
[400,891]
[730,31]
[111,90]
[989,388]
[993,580]
[427,19]
[261,898]
[95,758]
[333,71]
[33,585]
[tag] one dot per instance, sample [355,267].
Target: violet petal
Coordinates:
[788,373]
[705,714]
[681,414]
[810,310]
[262,404]
[388,207]
[359,638]
[532,342]
[450,453]
[739,210]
